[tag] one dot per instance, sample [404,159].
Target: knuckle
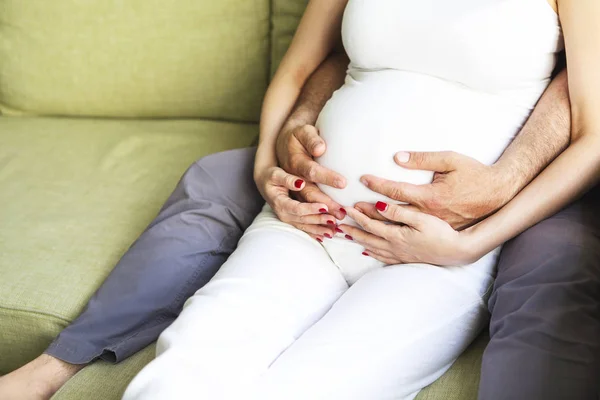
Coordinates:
[272,174]
[395,192]
[312,173]
[294,163]
[304,169]
[433,203]
[296,209]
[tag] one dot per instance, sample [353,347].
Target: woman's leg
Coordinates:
[393,332]
[196,230]
[274,286]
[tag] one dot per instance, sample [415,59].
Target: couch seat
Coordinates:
[74,195]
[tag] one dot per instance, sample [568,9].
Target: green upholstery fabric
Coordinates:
[459,383]
[74,195]
[285,17]
[134,58]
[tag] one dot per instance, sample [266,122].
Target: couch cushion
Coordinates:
[134,58]
[74,195]
[459,383]
[285,17]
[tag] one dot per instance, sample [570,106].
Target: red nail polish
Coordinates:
[381,206]
[328,236]
[349,237]
[343,211]
[364,253]
[338,230]
[319,240]
[322,210]
[330,222]
[298,183]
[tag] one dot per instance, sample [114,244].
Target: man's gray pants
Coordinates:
[545,326]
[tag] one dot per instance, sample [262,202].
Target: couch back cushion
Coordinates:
[134,58]
[286,15]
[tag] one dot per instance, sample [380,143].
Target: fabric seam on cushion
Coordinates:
[38,313]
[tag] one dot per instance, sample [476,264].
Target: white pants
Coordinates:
[279,321]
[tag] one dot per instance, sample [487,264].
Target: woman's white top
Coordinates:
[431,75]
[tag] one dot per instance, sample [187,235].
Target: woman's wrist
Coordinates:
[472,244]
[265,158]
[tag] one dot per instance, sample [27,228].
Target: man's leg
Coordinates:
[545,326]
[197,229]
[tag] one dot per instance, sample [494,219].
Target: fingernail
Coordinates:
[298,183]
[402,156]
[364,253]
[319,240]
[338,230]
[364,182]
[322,210]
[349,237]
[327,235]
[330,222]
[338,183]
[343,211]
[381,206]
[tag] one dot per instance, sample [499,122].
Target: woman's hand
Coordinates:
[275,186]
[412,237]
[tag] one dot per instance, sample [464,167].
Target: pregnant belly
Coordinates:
[376,114]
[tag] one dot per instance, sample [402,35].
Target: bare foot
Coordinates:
[37,380]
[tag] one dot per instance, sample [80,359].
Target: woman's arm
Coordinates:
[318,33]
[317,36]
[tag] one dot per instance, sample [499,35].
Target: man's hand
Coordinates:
[463,190]
[295,150]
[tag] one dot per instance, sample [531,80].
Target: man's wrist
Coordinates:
[509,180]
[300,117]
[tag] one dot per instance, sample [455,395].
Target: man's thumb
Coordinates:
[309,137]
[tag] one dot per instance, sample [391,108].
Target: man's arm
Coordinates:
[299,141]
[463,190]
[545,135]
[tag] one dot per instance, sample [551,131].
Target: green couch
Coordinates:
[103,104]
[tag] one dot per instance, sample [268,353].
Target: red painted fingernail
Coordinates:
[364,253]
[330,222]
[298,183]
[349,237]
[381,206]
[338,230]
[319,240]
[322,210]
[327,235]
[343,210]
